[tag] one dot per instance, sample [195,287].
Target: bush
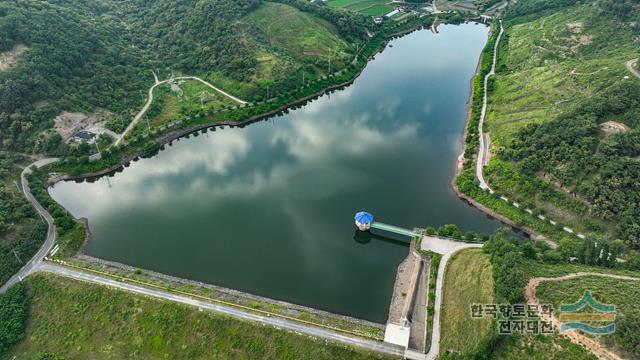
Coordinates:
[13,315]
[552,256]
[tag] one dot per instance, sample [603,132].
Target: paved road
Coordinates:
[144,109]
[277,322]
[28,268]
[633,70]
[446,248]
[483,150]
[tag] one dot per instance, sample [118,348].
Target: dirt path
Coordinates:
[157,83]
[630,66]
[575,336]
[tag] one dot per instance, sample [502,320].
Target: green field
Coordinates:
[80,321]
[182,98]
[551,63]
[468,280]
[365,7]
[624,294]
[298,34]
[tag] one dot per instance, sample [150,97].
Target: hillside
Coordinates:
[85,55]
[622,293]
[94,60]
[564,115]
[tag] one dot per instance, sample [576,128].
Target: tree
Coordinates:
[570,247]
[13,315]
[528,251]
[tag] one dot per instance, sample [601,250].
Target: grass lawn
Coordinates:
[184,97]
[301,35]
[468,280]
[95,322]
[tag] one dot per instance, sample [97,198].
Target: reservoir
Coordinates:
[268,208]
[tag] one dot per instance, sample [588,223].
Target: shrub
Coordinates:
[13,315]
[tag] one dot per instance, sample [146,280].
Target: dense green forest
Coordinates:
[601,168]
[14,306]
[85,55]
[21,231]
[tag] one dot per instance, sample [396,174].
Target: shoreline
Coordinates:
[460,166]
[240,297]
[220,292]
[175,135]
[368,328]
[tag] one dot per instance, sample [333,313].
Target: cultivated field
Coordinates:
[548,64]
[365,7]
[299,34]
[541,347]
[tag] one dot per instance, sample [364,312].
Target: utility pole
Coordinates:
[17,257]
[96,142]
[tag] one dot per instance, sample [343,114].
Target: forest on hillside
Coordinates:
[603,169]
[599,168]
[98,55]
[88,55]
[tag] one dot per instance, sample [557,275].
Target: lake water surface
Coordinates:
[268,208]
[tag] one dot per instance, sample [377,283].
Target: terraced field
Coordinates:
[547,65]
[552,62]
[365,7]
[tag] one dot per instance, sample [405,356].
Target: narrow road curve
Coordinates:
[29,267]
[144,109]
[446,248]
[630,66]
[483,150]
[575,336]
[277,322]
